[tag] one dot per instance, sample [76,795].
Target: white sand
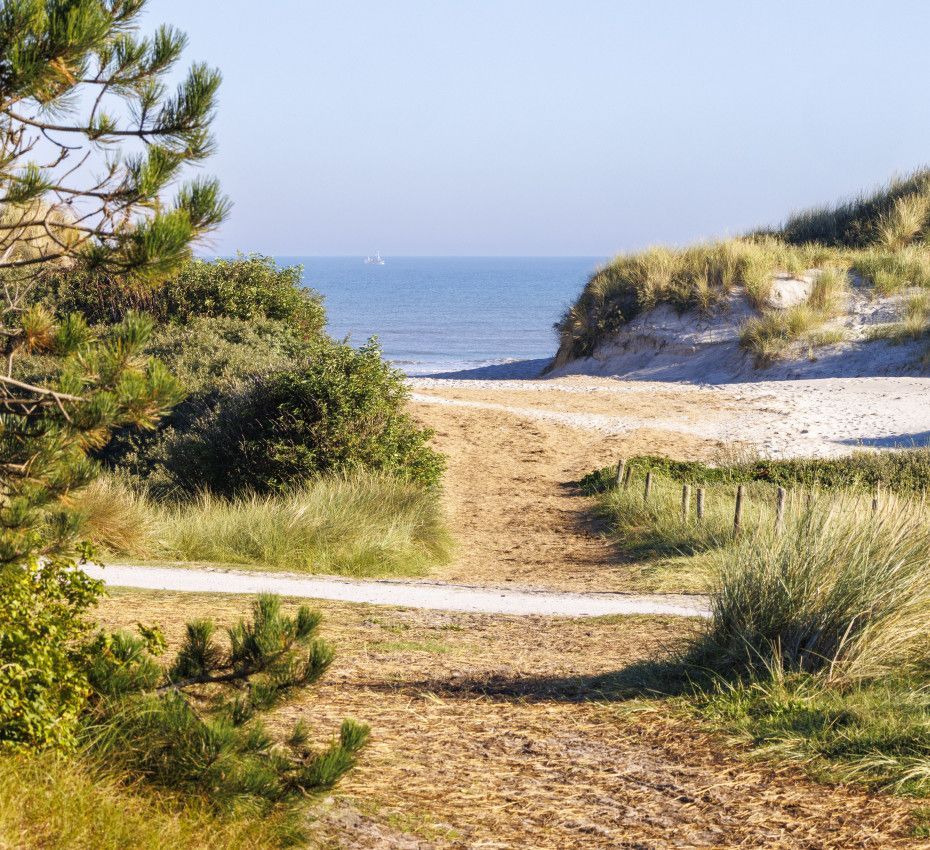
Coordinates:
[408,594]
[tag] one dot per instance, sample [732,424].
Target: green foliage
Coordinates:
[43,680]
[249,288]
[905,471]
[216,748]
[343,410]
[212,358]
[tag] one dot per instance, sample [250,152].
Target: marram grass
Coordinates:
[359,525]
[66,803]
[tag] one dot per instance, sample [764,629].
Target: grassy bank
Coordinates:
[819,644]
[817,651]
[880,238]
[60,803]
[361,525]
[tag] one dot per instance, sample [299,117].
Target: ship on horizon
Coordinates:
[376,260]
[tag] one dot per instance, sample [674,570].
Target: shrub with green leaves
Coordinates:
[342,410]
[249,288]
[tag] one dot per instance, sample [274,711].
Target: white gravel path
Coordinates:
[407,594]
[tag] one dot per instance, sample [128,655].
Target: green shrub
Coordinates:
[157,724]
[247,288]
[43,682]
[343,410]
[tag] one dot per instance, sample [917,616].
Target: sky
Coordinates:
[530,127]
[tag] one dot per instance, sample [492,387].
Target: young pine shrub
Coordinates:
[839,591]
[195,727]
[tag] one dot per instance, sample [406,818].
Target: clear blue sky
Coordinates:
[562,128]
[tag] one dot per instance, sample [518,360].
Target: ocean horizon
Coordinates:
[435,315]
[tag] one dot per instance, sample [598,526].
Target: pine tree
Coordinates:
[196,725]
[91,142]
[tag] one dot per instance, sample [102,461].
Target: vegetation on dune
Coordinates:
[359,525]
[881,239]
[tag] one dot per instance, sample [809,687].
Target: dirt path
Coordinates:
[514,512]
[514,732]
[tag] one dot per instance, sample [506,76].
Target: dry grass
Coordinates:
[360,525]
[769,335]
[521,735]
[57,803]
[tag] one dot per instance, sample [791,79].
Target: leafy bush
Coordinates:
[342,410]
[211,357]
[43,684]
[248,288]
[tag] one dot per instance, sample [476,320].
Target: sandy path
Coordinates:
[515,515]
[408,594]
[822,417]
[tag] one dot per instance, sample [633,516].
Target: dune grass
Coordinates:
[818,648]
[881,237]
[770,334]
[61,803]
[361,525]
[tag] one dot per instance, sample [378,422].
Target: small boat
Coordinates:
[376,260]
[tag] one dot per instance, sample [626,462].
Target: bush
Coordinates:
[43,682]
[156,723]
[343,410]
[247,288]
[211,357]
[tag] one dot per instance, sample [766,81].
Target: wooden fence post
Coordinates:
[621,466]
[875,493]
[648,488]
[685,501]
[780,508]
[700,504]
[627,476]
[738,512]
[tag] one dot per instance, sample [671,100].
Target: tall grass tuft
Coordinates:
[361,525]
[65,803]
[840,591]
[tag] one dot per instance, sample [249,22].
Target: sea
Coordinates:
[450,315]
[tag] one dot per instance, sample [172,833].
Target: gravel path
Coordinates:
[407,594]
